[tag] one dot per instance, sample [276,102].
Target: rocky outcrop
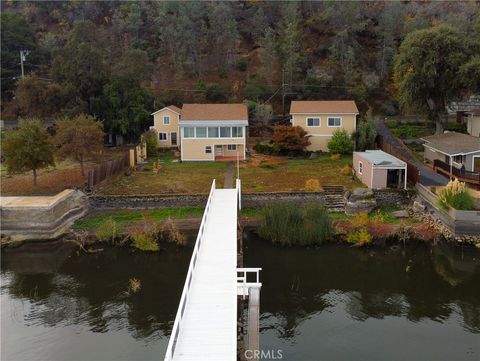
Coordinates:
[360,200]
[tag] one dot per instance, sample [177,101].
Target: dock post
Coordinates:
[253,337]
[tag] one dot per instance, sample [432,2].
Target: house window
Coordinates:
[334,122]
[201,132]
[313,122]
[162,136]
[189,132]
[225,132]
[360,168]
[208,149]
[212,132]
[232,147]
[237,132]
[166,120]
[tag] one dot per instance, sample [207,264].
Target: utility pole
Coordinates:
[23,56]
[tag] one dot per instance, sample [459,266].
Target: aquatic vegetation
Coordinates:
[171,233]
[107,231]
[289,224]
[143,241]
[360,237]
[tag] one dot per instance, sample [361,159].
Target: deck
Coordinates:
[206,323]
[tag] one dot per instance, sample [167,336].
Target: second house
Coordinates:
[321,118]
[203,132]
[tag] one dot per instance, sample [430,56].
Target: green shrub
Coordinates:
[107,231]
[268,148]
[216,93]
[143,241]
[359,237]
[340,143]
[257,90]
[456,195]
[150,138]
[288,225]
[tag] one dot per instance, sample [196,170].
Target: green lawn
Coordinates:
[173,177]
[292,174]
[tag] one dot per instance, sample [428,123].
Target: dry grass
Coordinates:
[172,177]
[52,180]
[277,174]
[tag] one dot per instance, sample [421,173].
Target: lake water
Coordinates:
[331,303]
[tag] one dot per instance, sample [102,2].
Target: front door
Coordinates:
[173,137]
[218,150]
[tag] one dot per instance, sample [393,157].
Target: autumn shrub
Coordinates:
[313,185]
[107,231]
[290,139]
[456,195]
[360,220]
[340,142]
[288,225]
[336,156]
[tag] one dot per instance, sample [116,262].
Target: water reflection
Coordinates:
[61,288]
[420,284]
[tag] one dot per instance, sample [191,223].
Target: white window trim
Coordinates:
[166,117]
[314,126]
[166,137]
[473,161]
[218,128]
[231,147]
[335,126]
[360,167]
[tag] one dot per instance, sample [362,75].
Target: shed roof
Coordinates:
[453,143]
[324,106]
[214,112]
[381,158]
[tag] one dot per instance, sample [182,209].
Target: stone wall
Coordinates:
[41,217]
[198,200]
[397,197]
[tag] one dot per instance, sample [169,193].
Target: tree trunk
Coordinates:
[82,166]
[34,177]
[438,126]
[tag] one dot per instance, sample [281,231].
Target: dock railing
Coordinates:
[242,280]
[186,288]
[239,190]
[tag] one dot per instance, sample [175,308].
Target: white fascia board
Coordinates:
[164,109]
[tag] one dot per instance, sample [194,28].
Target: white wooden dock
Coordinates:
[206,323]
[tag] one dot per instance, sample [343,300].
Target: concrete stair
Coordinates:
[334,197]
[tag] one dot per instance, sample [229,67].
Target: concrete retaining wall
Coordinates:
[459,222]
[41,217]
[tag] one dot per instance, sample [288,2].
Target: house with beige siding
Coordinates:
[165,124]
[320,118]
[378,170]
[473,122]
[204,132]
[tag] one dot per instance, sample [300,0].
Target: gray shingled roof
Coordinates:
[453,143]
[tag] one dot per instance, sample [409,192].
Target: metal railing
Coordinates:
[242,280]
[239,190]
[172,343]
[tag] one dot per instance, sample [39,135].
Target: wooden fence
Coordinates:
[413,174]
[107,169]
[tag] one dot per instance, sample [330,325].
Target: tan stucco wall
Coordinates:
[473,125]
[194,149]
[161,128]
[349,123]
